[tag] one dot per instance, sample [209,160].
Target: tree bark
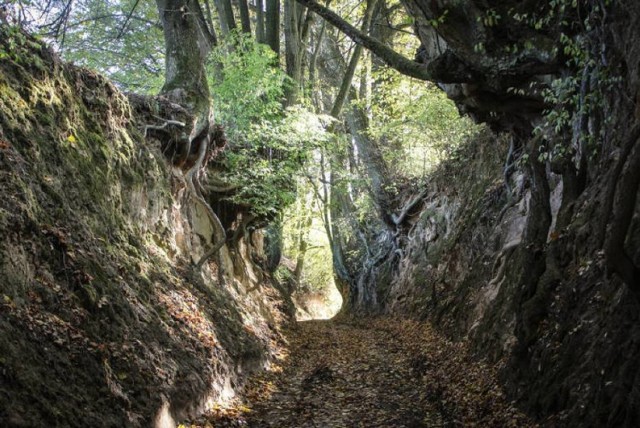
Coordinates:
[291,50]
[296,32]
[272,30]
[227,9]
[208,18]
[313,61]
[245,19]
[346,87]
[376,168]
[624,203]
[187,47]
[222,18]
[188,43]
[260,33]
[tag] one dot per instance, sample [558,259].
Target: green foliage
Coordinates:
[435,23]
[491,18]
[245,84]
[317,274]
[578,94]
[130,53]
[419,125]
[283,275]
[267,143]
[265,164]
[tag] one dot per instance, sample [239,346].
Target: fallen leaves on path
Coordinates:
[379,372]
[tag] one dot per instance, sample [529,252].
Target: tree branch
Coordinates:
[398,29]
[114,15]
[126,21]
[392,58]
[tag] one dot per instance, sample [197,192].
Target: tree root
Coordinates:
[194,186]
[166,123]
[399,218]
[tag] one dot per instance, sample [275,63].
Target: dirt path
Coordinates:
[346,375]
[374,373]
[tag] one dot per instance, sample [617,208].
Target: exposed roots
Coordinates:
[399,218]
[163,126]
[193,185]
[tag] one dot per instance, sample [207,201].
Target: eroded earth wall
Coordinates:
[103,320]
[531,256]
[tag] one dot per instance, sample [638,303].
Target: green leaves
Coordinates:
[266,163]
[245,84]
[417,121]
[267,144]
[133,58]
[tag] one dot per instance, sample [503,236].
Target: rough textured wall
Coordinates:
[103,321]
[537,264]
[571,349]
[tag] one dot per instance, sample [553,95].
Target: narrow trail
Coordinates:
[347,375]
[371,373]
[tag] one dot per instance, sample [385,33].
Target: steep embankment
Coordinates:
[572,346]
[102,320]
[531,252]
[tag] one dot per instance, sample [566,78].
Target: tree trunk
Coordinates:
[375,166]
[624,203]
[333,202]
[296,32]
[227,9]
[326,197]
[188,43]
[346,87]
[272,31]
[313,62]
[245,18]
[343,275]
[224,24]
[187,48]
[291,51]
[370,154]
[209,20]
[260,34]
[528,262]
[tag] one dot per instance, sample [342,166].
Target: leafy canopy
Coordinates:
[268,143]
[419,124]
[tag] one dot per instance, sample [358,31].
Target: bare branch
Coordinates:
[392,58]
[113,15]
[126,21]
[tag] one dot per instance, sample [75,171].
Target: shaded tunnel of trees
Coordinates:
[474,164]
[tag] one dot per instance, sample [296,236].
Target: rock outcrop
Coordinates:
[528,244]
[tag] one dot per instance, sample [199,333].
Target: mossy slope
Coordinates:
[102,322]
